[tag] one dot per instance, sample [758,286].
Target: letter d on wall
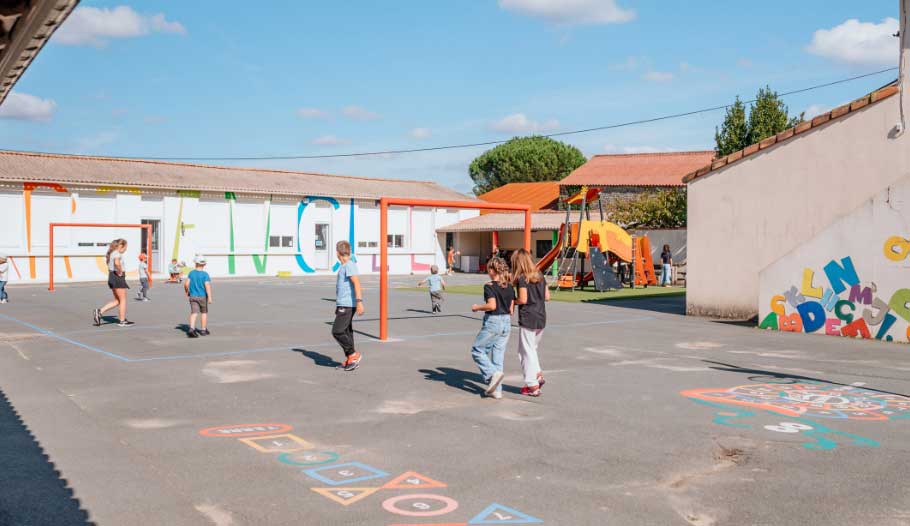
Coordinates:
[812,314]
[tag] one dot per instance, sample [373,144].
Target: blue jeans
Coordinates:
[665,275]
[490,345]
[3,294]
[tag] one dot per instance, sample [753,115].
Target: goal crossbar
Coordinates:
[52,226]
[384,205]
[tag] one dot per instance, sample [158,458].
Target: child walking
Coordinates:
[490,345]
[348,301]
[4,277]
[533,294]
[143,278]
[198,287]
[116,281]
[437,285]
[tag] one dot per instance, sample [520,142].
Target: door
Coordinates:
[321,247]
[155,256]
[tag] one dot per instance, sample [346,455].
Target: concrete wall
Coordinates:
[232,231]
[849,280]
[745,217]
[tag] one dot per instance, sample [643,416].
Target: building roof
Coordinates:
[24,29]
[638,169]
[506,222]
[540,195]
[803,127]
[109,171]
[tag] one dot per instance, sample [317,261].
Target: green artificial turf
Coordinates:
[578,296]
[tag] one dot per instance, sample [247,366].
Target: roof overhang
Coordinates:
[25,26]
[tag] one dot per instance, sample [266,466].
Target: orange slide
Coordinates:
[547,260]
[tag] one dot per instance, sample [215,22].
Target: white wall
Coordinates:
[744,217]
[874,240]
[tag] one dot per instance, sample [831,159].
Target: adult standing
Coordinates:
[666,259]
[116,280]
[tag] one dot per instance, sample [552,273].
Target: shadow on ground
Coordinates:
[319,359]
[31,490]
[667,304]
[466,381]
[760,375]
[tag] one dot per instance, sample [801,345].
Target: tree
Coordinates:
[768,116]
[523,160]
[665,208]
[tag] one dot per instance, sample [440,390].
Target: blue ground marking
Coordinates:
[372,473]
[503,515]
[64,338]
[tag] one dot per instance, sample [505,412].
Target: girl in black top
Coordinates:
[666,260]
[532,317]
[490,345]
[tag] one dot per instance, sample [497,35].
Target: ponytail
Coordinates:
[115,245]
[501,268]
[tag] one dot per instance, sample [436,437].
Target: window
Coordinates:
[281,241]
[367,244]
[395,240]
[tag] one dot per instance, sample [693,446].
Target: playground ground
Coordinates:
[113,426]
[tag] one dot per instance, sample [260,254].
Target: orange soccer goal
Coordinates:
[52,226]
[384,205]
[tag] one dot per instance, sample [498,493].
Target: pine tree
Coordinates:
[768,116]
[733,135]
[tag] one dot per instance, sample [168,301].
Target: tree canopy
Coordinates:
[524,160]
[768,116]
[665,208]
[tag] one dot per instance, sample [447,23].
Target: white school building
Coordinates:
[247,222]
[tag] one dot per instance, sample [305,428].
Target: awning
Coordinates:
[506,222]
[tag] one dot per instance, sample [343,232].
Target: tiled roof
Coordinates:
[541,195]
[803,127]
[21,167]
[505,222]
[638,169]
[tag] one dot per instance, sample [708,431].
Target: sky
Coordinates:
[218,79]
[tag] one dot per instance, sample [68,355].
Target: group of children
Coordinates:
[198,288]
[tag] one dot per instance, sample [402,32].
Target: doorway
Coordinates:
[155,256]
[321,246]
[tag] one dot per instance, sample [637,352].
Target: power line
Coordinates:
[492,143]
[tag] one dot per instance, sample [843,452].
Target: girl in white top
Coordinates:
[116,280]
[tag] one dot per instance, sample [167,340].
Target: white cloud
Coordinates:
[94,26]
[329,140]
[612,148]
[571,12]
[25,107]
[858,43]
[358,113]
[658,76]
[520,123]
[816,109]
[312,113]
[421,133]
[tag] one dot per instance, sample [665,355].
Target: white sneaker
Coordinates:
[3,301]
[495,380]
[497,395]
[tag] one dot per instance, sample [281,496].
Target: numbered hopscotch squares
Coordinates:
[277,443]
[347,473]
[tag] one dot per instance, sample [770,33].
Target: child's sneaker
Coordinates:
[540,380]
[146,299]
[126,323]
[4,301]
[192,333]
[533,390]
[495,380]
[497,395]
[96,317]
[203,332]
[353,361]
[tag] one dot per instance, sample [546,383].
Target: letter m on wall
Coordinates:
[841,276]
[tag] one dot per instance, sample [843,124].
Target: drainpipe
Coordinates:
[903,85]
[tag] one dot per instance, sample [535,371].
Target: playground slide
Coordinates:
[547,260]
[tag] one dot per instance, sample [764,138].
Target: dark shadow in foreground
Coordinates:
[466,381]
[319,359]
[665,303]
[31,490]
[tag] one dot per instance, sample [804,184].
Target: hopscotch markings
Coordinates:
[346,496]
[789,427]
[423,505]
[308,458]
[245,430]
[277,443]
[347,473]
[435,524]
[413,480]
[499,514]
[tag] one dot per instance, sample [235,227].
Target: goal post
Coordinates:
[384,205]
[52,226]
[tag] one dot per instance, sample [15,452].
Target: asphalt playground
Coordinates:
[648,417]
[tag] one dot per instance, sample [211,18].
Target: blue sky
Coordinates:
[190,79]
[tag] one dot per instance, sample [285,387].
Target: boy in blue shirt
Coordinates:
[198,287]
[348,301]
[437,285]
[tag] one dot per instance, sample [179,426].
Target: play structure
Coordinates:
[601,243]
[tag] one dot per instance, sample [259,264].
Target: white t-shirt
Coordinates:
[110,261]
[4,271]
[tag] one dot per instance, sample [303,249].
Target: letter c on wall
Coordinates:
[301,206]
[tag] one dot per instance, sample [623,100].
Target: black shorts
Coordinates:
[115,281]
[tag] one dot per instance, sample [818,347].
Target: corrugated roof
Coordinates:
[803,127]
[506,222]
[539,195]
[638,169]
[111,171]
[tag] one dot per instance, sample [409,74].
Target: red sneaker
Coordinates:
[352,362]
[540,380]
[533,390]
